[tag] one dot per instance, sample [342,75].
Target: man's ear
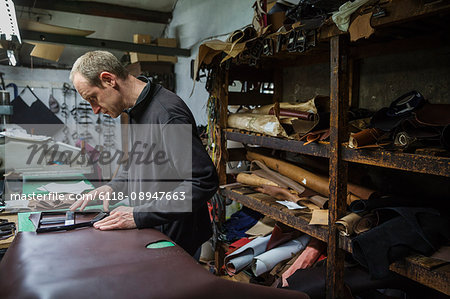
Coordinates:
[108,79]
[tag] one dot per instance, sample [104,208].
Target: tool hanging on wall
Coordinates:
[53,103]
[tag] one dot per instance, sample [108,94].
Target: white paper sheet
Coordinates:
[290,205]
[76,188]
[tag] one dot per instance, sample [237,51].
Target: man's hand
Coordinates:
[119,218]
[102,192]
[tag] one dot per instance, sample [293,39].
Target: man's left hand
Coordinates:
[119,218]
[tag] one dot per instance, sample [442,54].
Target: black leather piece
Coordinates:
[359,206]
[400,109]
[406,230]
[88,263]
[312,281]
[37,113]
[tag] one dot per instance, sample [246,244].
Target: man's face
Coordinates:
[106,100]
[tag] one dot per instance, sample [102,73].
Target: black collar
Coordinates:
[144,98]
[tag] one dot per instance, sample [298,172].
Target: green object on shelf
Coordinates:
[160,244]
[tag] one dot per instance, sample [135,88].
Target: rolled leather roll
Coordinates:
[320,201]
[365,137]
[253,180]
[262,170]
[315,182]
[346,224]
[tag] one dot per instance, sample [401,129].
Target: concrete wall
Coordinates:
[45,82]
[195,21]
[382,78]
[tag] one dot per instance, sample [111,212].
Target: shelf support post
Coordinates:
[339,100]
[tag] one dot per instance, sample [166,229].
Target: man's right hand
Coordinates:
[102,192]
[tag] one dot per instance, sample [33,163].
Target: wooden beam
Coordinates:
[100,9]
[338,167]
[102,43]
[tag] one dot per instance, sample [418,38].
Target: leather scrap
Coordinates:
[360,27]
[346,224]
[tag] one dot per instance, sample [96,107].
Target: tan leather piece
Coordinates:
[276,177]
[354,224]
[278,193]
[88,263]
[266,124]
[365,137]
[315,182]
[320,201]
[346,224]
[253,180]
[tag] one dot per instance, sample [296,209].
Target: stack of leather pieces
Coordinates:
[88,263]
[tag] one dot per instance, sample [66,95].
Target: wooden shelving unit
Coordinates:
[334,46]
[395,160]
[428,271]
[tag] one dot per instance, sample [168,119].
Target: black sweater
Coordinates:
[162,120]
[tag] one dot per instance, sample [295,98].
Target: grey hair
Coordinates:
[92,64]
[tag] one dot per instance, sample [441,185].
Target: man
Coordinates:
[101,80]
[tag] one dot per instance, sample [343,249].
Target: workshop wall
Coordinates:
[46,82]
[195,21]
[382,79]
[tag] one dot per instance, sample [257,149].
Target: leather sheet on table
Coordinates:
[88,263]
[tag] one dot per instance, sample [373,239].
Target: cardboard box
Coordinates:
[136,57]
[167,42]
[142,39]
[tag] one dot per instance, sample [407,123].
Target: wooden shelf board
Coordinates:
[402,161]
[417,268]
[313,149]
